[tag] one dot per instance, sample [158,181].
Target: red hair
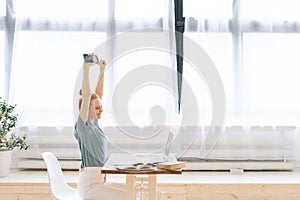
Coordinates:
[93,96]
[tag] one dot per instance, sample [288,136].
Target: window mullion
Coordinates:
[237,47]
[2,22]
[10,29]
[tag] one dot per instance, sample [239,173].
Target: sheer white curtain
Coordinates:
[271,47]
[152,17]
[2,36]
[207,24]
[51,37]
[255,55]
[254,46]
[47,47]
[2,64]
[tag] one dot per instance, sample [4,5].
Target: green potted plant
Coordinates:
[8,139]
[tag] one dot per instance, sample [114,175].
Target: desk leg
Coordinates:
[130,187]
[152,187]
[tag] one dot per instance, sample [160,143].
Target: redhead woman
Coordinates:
[93,141]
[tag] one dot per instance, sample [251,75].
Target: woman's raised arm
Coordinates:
[86,93]
[100,83]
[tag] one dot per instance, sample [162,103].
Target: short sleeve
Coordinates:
[93,143]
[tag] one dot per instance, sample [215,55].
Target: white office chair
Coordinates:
[59,188]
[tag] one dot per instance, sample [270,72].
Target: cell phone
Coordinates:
[90,58]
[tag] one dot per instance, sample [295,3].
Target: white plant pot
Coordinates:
[5,160]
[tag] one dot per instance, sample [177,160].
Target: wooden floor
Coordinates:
[31,185]
[40,191]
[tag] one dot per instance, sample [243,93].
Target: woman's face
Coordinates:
[96,108]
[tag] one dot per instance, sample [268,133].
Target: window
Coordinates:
[151,93]
[2,7]
[258,63]
[270,60]
[208,9]
[207,24]
[51,65]
[49,49]
[151,14]
[260,59]
[270,9]
[127,10]
[271,64]
[218,46]
[255,56]
[67,9]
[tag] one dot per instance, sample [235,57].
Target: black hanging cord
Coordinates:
[179,28]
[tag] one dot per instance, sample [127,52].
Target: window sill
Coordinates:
[191,177]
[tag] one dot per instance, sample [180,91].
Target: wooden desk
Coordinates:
[132,177]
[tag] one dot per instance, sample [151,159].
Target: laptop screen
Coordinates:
[168,145]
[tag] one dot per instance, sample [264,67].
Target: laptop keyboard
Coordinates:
[192,159]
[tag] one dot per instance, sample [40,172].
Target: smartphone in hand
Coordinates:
[90,58]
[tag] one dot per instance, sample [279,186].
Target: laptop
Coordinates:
[157,157]
[129,159]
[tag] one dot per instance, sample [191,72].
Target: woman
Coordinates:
[93,142]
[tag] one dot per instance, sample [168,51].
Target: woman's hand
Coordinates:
[102,64]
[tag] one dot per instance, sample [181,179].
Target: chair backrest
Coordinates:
[56,179]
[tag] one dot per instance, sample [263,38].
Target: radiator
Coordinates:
[254,148]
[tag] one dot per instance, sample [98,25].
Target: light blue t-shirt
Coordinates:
[92,143]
